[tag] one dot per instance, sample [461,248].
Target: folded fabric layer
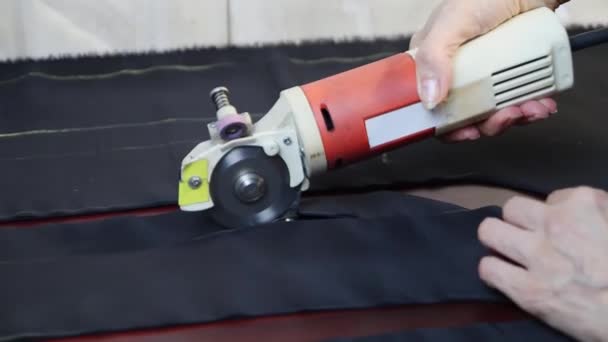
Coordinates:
[495,332]
[149,272]
[117,235]
[104,134]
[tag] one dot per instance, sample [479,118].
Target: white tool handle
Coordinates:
[526,58]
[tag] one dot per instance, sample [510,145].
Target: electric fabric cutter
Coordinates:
[253,173]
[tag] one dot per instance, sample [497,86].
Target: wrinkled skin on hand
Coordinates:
[453,23]
[553,259]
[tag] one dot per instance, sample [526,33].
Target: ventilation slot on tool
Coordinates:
[524,81]
[329,122]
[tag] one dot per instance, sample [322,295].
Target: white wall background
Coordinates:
[42,28]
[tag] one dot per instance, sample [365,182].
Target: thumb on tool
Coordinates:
[434,74]
[452,24]
[436,45]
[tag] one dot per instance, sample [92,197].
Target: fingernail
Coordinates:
[429,93]
[468,134]
[554,112]
[539,117]
[473,134]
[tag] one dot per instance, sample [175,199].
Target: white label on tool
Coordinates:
[398,124]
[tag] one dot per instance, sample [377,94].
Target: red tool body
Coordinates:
[379,88]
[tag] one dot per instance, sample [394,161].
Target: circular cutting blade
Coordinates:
[249,188]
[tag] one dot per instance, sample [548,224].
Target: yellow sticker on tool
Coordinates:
[194,174]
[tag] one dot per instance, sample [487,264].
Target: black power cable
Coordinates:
[588,39]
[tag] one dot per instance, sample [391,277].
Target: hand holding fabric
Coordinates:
[555,263]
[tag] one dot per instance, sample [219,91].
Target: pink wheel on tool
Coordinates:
[232,127]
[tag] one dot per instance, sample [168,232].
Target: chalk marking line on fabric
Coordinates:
[341,59]
[114,74]
[201,121]
[182,68]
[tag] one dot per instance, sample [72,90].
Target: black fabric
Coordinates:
[132,272]
[103,134]
[494,332]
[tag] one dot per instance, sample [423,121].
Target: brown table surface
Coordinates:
[316,327]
